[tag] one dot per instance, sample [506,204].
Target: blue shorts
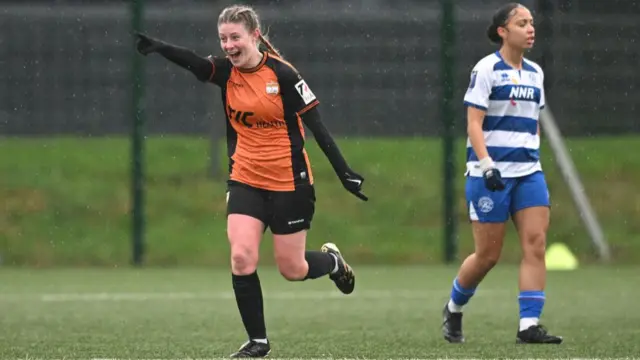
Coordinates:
[495,207]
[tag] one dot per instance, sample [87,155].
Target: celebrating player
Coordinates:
[504,174]
[266,101]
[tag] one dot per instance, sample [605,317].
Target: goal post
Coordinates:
[571,178]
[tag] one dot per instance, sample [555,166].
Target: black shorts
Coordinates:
[284,212]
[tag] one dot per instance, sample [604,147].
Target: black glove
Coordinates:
[146,45]
[353,183]
[493,180]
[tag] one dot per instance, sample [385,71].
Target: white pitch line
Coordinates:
[275,295]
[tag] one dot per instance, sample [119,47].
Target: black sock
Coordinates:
[320,264]
[249,299]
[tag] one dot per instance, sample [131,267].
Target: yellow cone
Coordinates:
[559,257]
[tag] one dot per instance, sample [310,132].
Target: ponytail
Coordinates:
[268,46]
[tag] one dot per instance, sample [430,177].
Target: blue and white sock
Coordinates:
[531,304]
[459,296]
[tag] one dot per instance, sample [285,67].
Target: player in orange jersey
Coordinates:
[270,185]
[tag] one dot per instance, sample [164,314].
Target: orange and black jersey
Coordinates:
[265,135]
[265,110]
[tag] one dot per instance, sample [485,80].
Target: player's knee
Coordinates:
[488,256]
[488,259]
[244,260]
[244,238]
[534,244]
[292,269]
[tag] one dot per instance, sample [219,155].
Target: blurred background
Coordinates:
[78,106]
[113,166]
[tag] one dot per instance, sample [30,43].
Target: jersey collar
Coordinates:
[257,67]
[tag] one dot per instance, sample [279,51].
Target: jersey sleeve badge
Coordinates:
[305,92]
[472,81]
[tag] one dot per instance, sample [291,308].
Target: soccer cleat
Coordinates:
[252,349]
[537,334]
[344,278]
[452,326]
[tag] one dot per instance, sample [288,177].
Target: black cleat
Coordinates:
[344,278]
[537,334]
[252,349]
[452,326]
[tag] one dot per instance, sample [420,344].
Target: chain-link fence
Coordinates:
[373,64]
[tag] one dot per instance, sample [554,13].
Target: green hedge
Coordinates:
[66,201]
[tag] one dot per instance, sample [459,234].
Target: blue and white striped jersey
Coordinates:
[512,100]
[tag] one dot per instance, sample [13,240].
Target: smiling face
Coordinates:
[239,44]
[518,32]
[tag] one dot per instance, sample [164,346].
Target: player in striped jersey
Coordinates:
[504,175]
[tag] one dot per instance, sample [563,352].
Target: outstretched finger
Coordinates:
[361,196]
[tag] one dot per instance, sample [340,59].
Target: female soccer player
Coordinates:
[504,175]
[271,184]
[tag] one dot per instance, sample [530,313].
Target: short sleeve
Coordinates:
[221,70]
[297,95]
[479,88]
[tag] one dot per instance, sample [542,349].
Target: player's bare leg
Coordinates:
[488,239]
[245,233]
[289,253]
[532,224]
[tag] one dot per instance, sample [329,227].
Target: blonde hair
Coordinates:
[246,15]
